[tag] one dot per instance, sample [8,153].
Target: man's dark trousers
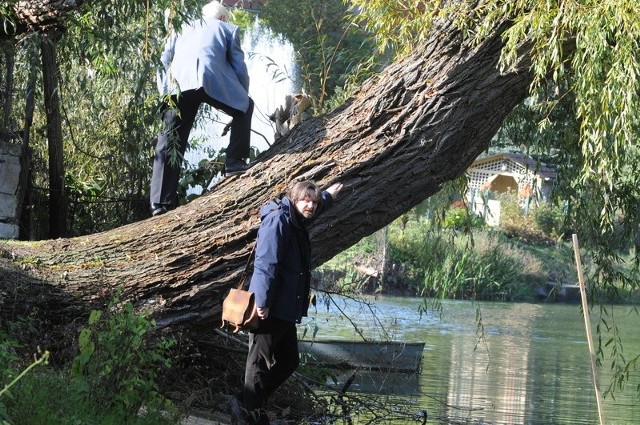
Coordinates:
[272,358]
[178,120]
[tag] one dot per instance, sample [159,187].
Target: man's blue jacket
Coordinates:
[282,275]
[206,53]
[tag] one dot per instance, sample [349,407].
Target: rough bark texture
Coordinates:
[37,15]
[419,123]
[50,78]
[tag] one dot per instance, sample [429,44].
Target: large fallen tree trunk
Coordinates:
[35,15]
[418,124]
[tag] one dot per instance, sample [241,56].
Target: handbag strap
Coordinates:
[246,268]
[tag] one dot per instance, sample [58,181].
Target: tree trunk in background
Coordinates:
[57,197]
[409,129]
[26,195]
[7,64]
[385,247]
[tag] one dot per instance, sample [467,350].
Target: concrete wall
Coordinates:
[10,176]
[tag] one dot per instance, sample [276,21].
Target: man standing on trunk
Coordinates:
[203,62]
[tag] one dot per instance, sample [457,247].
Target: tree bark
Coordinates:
[405,132]
[7,64]
[37,15]
[25,196]
[51,78]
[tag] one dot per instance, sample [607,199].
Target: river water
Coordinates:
[489,363]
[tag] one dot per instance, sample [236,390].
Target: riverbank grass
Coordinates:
[419,260]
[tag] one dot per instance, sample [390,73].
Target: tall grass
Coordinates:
[485,272]
[451,265]
[442,263]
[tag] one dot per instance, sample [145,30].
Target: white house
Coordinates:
[500,173]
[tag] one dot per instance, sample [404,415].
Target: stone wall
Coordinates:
[11,173]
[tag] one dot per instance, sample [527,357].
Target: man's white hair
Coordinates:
[215,10]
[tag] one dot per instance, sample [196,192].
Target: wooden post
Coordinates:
[587,326]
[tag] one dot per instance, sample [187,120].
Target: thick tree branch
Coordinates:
[37,15]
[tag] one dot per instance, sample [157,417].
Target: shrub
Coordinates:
[12,384]
[486,271]
[515,224]
[455,217]
[8,358]
[7,371]
[458,217]
[119,360]
[549,219]
[443,263]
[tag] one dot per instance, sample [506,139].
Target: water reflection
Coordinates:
[521,364]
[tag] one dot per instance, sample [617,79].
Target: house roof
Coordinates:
[526,161]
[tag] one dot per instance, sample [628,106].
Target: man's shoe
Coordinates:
[234,167]
[260,417]
[157,209]
[238,413]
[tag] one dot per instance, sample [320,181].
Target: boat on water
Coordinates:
[393,356]
[375,381]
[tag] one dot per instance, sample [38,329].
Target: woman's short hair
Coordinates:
[214,10]
[301,190]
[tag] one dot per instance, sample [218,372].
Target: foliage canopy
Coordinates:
[328,47]
[585,52]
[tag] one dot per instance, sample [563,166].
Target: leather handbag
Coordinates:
[239,309]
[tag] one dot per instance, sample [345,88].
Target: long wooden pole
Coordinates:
[587,326]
